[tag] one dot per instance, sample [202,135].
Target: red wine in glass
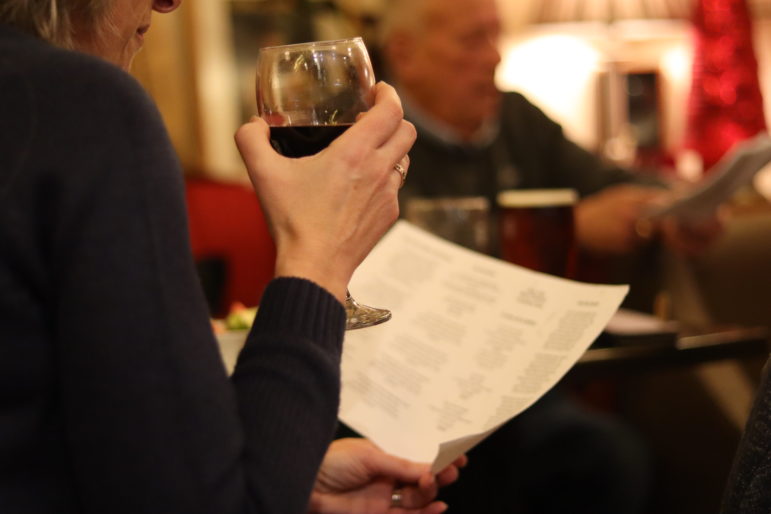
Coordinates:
[309,94]
[302,141]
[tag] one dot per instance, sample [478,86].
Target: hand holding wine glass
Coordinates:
[327,210]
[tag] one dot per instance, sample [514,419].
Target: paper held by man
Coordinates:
[472,343]
[736,169]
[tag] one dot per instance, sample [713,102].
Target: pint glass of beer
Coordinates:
[537,230]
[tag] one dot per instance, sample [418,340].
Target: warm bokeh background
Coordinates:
[571,57]
[197,64]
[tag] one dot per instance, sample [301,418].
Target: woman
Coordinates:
[113,397]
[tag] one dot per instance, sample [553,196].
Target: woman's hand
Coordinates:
[328,210]
[357,477]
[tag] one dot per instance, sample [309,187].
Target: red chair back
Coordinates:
[227,223]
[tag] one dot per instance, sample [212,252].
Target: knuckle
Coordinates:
[354,157]
[240,134]
[390,211]
[384,84]
[395,212]
[411,131]
[247,132]
[393,110]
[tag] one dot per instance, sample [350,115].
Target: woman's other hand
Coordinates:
[327,211]
[357,476]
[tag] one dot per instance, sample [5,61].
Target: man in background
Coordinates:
[474,140]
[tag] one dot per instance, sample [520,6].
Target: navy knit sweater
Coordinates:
[113,397]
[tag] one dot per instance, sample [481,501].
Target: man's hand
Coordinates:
[607,222]
[694,238]
[358,477]
[614,221]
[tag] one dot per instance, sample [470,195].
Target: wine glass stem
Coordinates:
[360,316]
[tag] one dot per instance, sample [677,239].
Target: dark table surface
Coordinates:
[624,355]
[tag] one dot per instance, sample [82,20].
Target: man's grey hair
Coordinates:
[51,19]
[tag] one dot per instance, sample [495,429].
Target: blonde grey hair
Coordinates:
[51,20]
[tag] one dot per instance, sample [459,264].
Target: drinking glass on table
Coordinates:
[538,229]
[310,93]
[463,220]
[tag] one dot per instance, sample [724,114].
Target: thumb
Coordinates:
[402,470]
[253,142]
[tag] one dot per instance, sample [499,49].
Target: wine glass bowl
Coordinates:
[309,94]
[314,84]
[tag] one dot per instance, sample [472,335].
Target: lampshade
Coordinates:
[562,11]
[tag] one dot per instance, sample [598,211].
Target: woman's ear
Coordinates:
[165,6]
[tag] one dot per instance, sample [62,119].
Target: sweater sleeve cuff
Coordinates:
[300,307]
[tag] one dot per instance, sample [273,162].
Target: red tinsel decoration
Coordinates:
[725,104]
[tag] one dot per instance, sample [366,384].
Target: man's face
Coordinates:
[453,63]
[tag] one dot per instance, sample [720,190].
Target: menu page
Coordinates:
[735,170]
[472,343]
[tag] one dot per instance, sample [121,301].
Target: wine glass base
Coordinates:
[361,316]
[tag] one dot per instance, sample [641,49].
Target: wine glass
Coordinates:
[310,93]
